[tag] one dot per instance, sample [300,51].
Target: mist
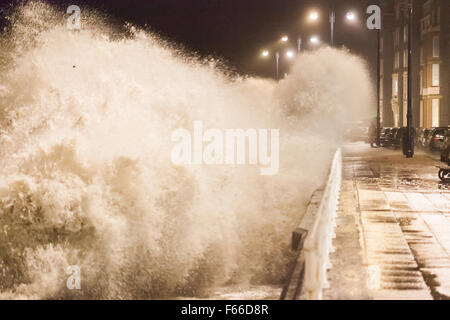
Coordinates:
[86,176]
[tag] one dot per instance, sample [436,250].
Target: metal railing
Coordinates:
[318,244]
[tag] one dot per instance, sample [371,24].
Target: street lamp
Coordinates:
[277,59]
[265,53]
[409,150]
[284,38]
[290,54]
[350,16]
[314,40]
[332,22]
[313,16]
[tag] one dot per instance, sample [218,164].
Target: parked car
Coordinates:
[445,148]
[436,138]
[422,138]
[399,136]
[390,137]
[421,132]
[383,136]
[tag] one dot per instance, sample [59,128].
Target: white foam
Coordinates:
[85,172]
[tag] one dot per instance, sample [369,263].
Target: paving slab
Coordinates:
[393,228]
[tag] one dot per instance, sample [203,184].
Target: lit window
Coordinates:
[435,47]
[435,75]
[405,113]
[421,82]
[395,85]
[405,58]
[435,113]
[421,114]
[405,86]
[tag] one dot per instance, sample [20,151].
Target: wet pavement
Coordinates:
[393,228]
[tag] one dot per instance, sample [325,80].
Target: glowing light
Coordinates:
[314,40]
[313,16]
[351,16]
[284,38]
[265,53]
[290,54]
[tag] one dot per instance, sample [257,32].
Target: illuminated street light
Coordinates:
[290,54]
[266,54]
[351,16]
[314,40]
[313,16]
[284,38]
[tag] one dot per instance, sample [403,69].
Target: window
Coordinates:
[395,85]
[435,113]
[381,89]
[421,114]
[405,86]
[435,75]
[405,58]
[397,37]
[405,113]
[436,47]
[421,82]
[405,34]
[397,60]
[421,55]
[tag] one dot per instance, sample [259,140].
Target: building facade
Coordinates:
[430,63]
[434,67]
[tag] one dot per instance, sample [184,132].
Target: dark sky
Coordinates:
[237,30]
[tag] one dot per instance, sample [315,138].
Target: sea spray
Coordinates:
[86,177]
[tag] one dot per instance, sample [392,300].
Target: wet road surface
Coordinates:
[393,228]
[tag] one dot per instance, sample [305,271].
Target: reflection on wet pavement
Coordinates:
[402,215]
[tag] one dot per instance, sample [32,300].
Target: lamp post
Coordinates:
[282,51]
[350,16]
[409,152]
[277,59]
[314,40]
[378,137]
[332,22]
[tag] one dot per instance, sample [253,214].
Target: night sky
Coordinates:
[237,30]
